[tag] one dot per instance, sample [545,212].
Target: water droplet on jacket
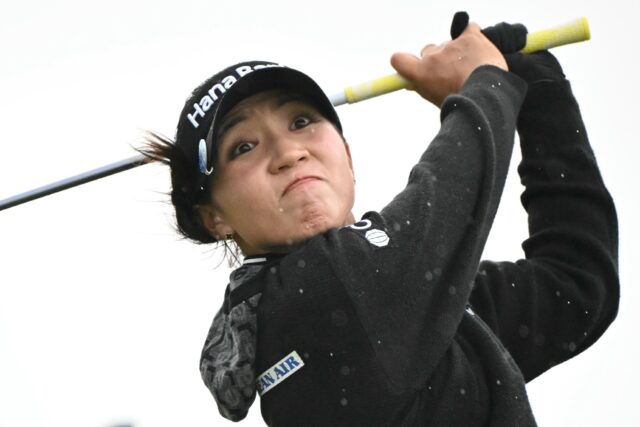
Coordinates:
[523,331]
[301,290]
[493,85]
[429,204]
[379,342]
[408,222]
[301,263]
[572,347]
[344,402]
[498,382]
[396,227]
[557,293]
[345,371]
[479,128]
[330,354]
[452,290]
[562,175]
[273,270]
[577,130]
[463,391]
[513,284]
[437,271]
[428,275]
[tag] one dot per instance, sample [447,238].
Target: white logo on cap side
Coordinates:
[279,372]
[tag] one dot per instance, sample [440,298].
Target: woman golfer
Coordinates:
[391,319]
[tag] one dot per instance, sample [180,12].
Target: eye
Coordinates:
[241,148]
[301,121]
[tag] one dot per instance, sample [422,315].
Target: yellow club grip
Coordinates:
[571,32]
[376,87]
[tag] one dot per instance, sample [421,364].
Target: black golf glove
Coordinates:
[510,39]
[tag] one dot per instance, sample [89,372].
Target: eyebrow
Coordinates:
[228,124]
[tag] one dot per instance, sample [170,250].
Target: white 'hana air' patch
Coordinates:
[376,237]
[279,372]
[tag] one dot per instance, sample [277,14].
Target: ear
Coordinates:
[213,222]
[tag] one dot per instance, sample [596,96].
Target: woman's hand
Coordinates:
[442,69]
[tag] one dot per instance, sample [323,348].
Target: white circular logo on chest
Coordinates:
[377,237]
[361,225]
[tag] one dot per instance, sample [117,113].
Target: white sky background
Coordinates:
[103,309]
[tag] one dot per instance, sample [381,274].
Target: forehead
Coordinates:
[272,98]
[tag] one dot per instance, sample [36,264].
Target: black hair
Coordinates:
[185,197]
[189,188]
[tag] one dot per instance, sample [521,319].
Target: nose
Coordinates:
[287,152]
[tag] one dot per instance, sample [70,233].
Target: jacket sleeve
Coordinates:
[409,269]
[562,297]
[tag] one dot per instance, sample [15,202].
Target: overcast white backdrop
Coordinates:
[104,309]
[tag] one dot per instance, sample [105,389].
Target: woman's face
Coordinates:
[283,174]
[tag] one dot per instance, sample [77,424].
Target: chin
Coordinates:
[315,227]
[311,227]
[316,218]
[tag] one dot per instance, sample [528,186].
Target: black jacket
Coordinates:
[394,321]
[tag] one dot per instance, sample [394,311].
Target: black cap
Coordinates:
[220,93]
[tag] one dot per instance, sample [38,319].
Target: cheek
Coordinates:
[344,183]
[228,194]
[241,196]
[343,163]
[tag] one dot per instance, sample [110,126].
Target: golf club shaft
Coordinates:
[74,181]
[572,32]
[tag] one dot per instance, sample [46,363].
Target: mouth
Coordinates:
[299,182]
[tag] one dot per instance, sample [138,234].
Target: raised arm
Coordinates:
[411,292]
[561,298]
